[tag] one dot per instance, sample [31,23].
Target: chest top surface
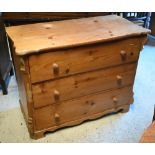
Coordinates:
[38,37]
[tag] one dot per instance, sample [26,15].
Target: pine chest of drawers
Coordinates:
[74,70]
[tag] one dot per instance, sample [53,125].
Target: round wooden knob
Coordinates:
[57,117]
[115,100]
[119,79]
[55,69]
[56,95]
[123,54]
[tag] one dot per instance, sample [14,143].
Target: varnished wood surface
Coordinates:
[53,92]
[24,87]
[53,35]
[64,87]
[20,80]
[49,15]
[83,59]
[55,115]
[41,133]
[152,24]
[149,134]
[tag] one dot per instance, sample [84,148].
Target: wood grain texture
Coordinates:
[152,24]
[149,134]
[83,107]
[24,87]
[41,133]
[49,15]
[53,92]
[61,34]
[83,59]
[92,77]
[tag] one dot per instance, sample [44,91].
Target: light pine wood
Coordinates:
[55,115]
[62,63]
[149,134]
[53,92]
[85,69]
[39,37]
[24,87]
[41,133]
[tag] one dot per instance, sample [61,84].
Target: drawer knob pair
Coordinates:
[55,69]
[123,55]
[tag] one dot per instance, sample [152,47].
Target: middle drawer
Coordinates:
[75,86]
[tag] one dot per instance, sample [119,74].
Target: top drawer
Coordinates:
[60,63]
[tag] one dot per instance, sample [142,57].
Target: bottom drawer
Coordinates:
[81,108]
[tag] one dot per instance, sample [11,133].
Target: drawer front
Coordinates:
[62,63]
[82,108]
[53,92]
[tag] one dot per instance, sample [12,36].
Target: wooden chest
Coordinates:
[74,70]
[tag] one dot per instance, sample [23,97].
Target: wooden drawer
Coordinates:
[81,109]
[61,63]
[82,84]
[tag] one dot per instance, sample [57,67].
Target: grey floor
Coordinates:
[127,127]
